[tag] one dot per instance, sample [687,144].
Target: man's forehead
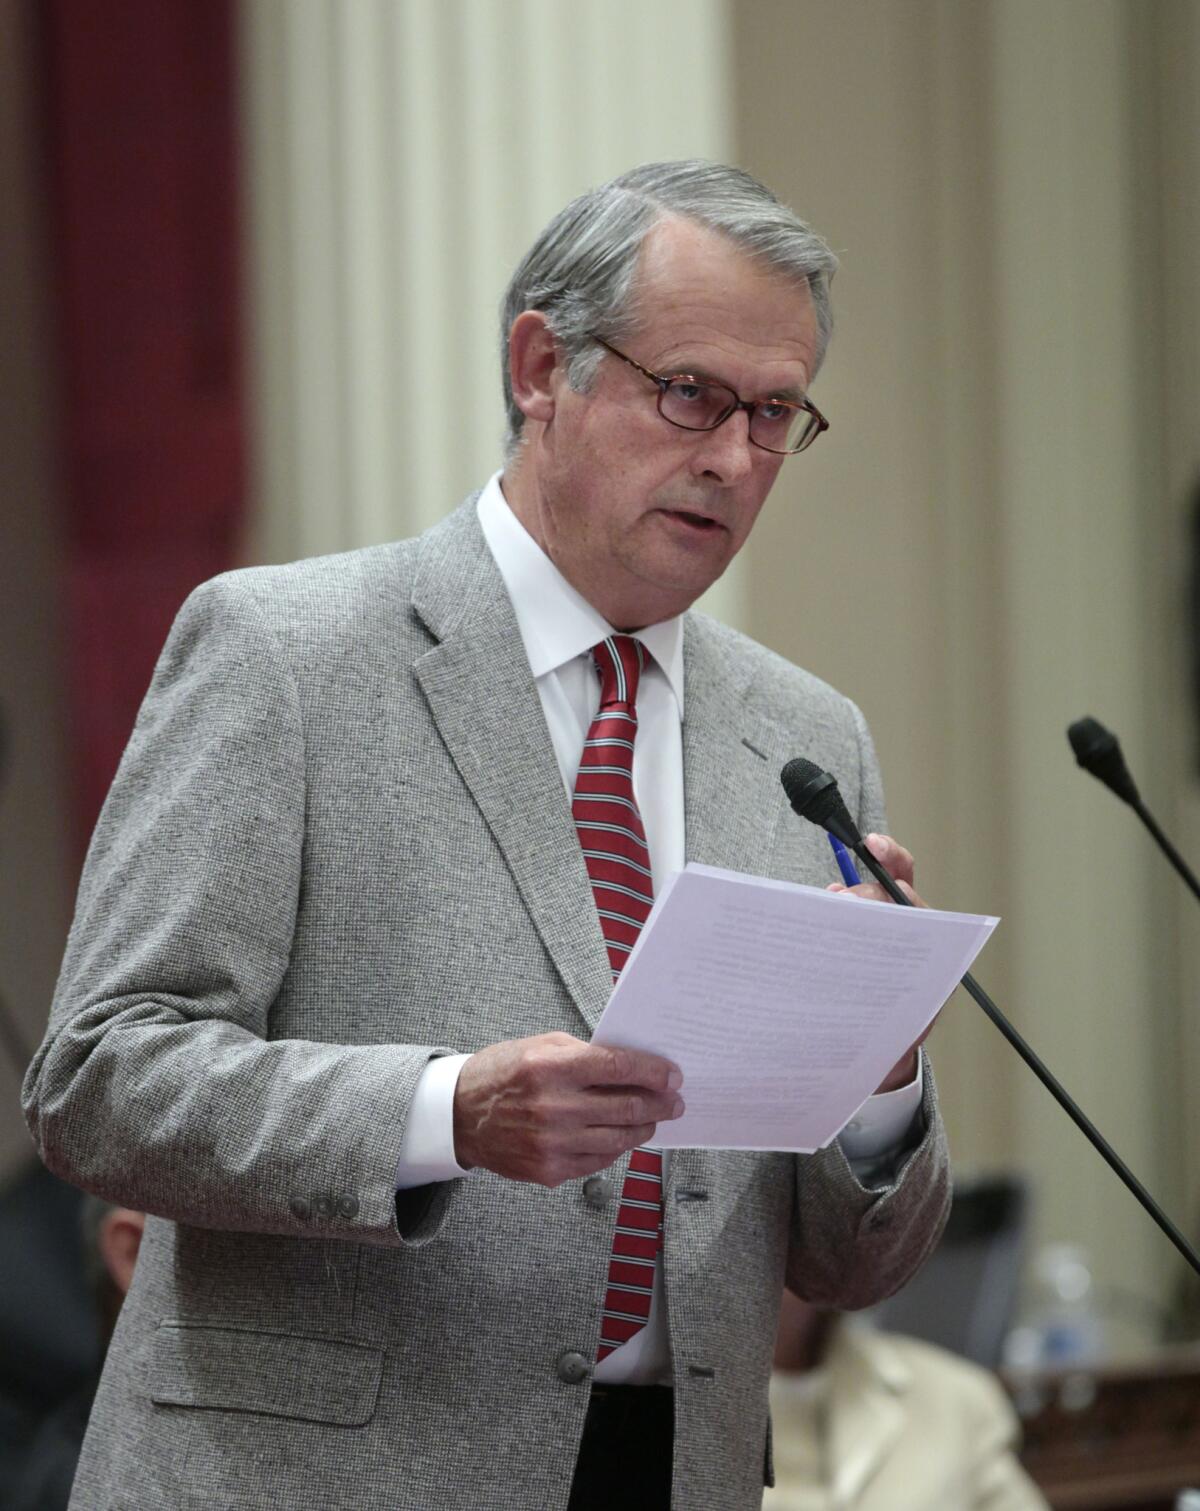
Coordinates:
[703,303]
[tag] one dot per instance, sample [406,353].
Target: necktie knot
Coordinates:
[619,661]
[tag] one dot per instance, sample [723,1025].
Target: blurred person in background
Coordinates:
[111,1237]
[872,1421]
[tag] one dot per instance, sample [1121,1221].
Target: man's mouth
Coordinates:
[702,523]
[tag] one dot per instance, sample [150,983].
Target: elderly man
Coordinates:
[386,829]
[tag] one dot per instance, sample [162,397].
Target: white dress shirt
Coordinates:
[559,628]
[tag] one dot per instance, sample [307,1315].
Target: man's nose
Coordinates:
[726,453]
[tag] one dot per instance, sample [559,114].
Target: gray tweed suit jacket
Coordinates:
[338,845]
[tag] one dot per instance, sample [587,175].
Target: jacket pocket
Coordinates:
[309,1379]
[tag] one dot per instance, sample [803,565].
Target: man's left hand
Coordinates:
[898,862]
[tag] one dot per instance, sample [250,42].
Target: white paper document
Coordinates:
[784,1006]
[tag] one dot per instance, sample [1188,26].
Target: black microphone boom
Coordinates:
[1097,750]
[817,800]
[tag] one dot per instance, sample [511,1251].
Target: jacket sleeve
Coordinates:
[853,1245]
[158,1084]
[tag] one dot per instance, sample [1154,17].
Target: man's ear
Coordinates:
[120,1238]
[533,358]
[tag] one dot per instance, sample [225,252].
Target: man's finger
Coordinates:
[611,1143]
[615,1065]
[892,856]
[873,892]
[625,1107]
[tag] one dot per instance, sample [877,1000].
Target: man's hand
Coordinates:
[552,1108]
[898,862]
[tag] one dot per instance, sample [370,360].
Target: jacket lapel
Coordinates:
[485,704]
[732,797]
[731,793]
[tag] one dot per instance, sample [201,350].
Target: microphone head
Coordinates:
[1096,750]
[814,795]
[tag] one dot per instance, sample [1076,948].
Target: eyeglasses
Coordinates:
[777,425]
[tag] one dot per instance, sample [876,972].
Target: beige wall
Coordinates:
[1175,387]
[991,540]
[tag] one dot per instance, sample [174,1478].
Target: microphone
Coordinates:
[1097,750]
[814,795]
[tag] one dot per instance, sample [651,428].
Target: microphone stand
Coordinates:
[1165,845]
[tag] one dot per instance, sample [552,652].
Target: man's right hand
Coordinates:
[552,1108]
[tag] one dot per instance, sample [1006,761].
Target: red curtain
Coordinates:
[142,178]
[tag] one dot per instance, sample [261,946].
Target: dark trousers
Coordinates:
[625,1456]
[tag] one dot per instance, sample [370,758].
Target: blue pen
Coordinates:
[845,864]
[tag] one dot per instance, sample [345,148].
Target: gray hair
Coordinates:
[580,270]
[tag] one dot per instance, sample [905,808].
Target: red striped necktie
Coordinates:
[618,862]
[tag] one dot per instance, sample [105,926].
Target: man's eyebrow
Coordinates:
[790,394]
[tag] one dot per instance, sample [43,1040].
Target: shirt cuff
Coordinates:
[879,1126]
[427,1151]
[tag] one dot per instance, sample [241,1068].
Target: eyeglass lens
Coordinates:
[702,406]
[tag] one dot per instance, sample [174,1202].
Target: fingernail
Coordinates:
[835,886]
[677,1107]
[675,1080]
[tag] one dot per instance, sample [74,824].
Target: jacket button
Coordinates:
[597,1191]
[322,1206]
[348,1206]
[572,1367]
[300,1208]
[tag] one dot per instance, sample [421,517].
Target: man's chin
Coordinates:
[663,594]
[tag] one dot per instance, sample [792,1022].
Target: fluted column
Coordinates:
[403,153]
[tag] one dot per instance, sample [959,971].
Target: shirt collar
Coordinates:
[556,622]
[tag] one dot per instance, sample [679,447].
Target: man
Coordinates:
[386,827]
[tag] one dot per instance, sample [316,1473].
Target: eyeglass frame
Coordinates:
[749,405]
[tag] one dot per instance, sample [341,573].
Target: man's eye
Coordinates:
[690,393]
[774,413]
